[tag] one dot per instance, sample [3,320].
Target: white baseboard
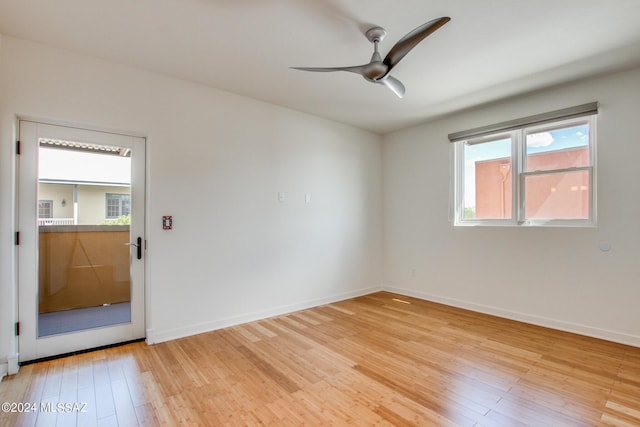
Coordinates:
[10,367]
[12,364]
[154,336]
[533,319]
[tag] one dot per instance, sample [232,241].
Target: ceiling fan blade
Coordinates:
[358,69]
[394,84]
[409,41]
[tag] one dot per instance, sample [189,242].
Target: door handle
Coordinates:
[138,245]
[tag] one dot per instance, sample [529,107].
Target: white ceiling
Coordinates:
[491,49]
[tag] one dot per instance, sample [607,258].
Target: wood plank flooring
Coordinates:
[381,359]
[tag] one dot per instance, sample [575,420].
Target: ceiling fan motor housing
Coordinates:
[375,34]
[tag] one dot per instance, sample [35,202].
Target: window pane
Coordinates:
[113,205]
[558,148]
[487,180]
[557,195]
[45,208]
[118,205]
[126,204]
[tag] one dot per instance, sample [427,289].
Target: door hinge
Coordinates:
[18,147]
[17,238]
[17,329]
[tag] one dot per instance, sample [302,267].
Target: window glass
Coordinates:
[563,195]
[487,184]
[562,148]
[118,205]
[45,208]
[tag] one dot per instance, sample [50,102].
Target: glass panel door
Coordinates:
[81,258]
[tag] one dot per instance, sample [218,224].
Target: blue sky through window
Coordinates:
[558,139]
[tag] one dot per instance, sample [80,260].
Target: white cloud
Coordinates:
[582,136]
[542,139]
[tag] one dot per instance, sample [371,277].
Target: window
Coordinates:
[45,208]
[118,205]
[534,174]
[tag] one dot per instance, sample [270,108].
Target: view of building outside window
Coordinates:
[549,193]
[487,186]
[83,188]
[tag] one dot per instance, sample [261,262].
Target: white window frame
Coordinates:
[519,173]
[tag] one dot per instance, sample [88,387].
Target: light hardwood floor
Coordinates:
[379,359]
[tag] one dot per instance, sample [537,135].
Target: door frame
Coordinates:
[30,346]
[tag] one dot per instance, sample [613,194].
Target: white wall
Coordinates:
[57,193]
[549,276]
[216,163]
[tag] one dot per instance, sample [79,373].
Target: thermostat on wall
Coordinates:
[167,222]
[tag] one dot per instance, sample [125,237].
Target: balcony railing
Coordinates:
[55,221]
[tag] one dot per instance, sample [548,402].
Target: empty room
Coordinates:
[319,212]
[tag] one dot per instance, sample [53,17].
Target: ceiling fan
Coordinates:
[378,69]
